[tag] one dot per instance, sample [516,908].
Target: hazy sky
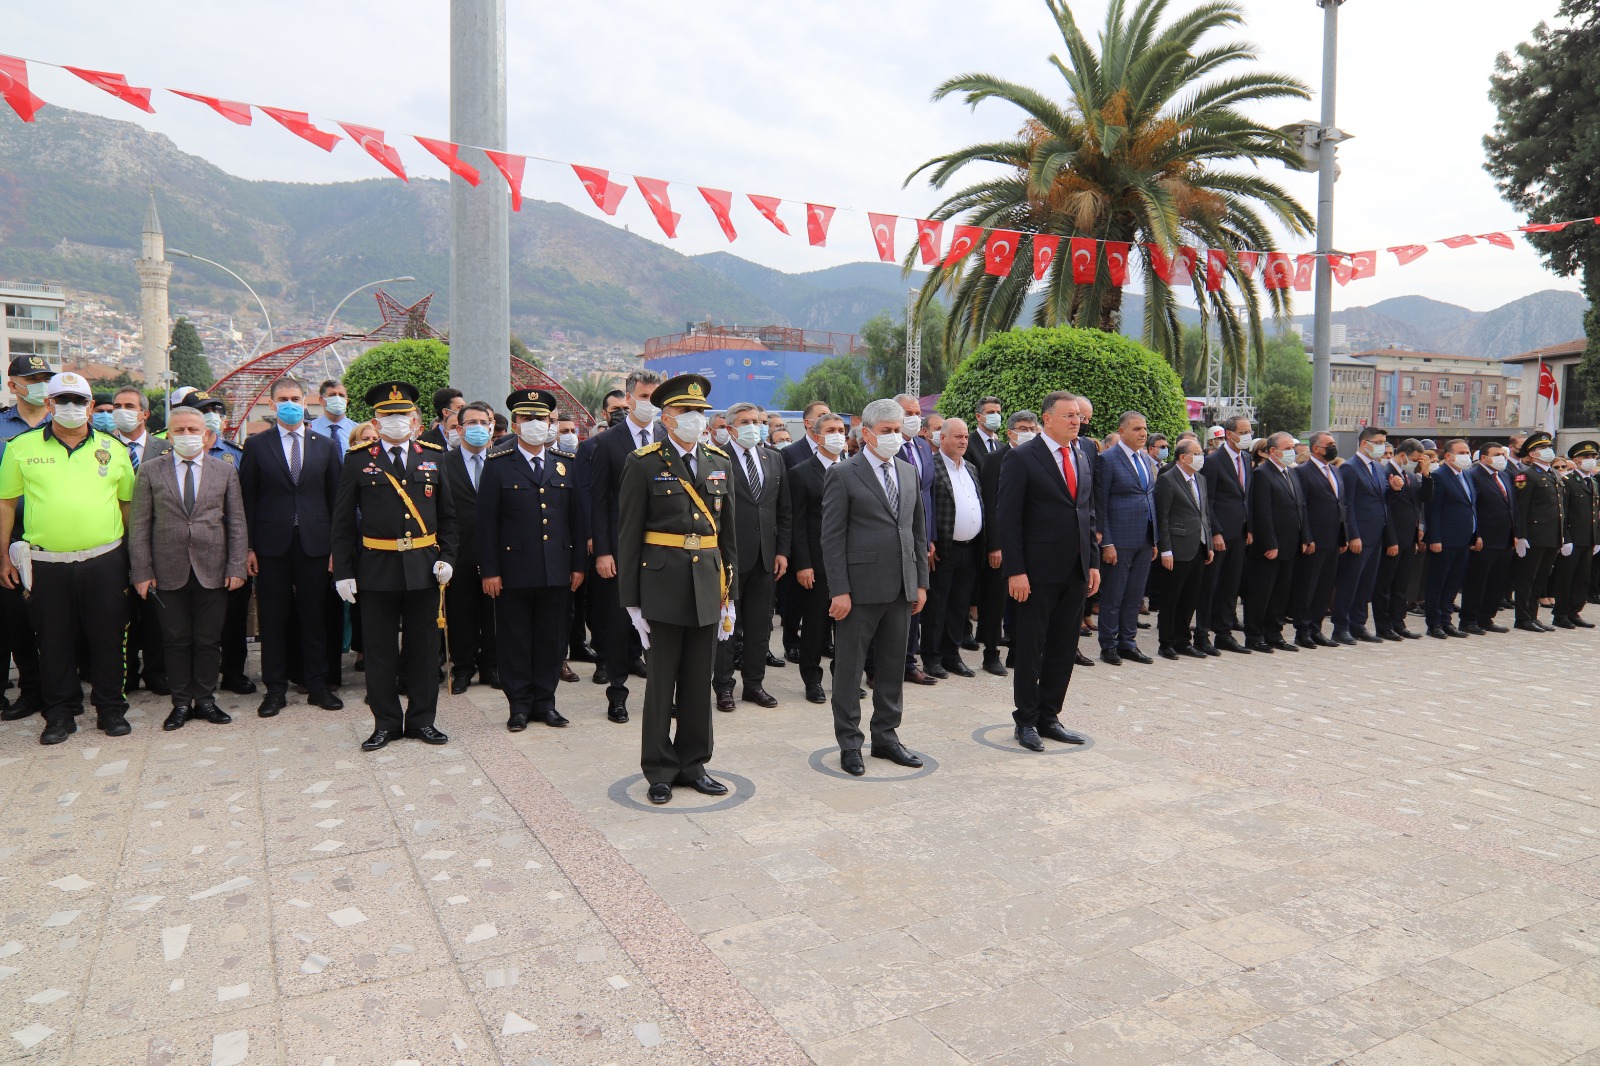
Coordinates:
[823,100]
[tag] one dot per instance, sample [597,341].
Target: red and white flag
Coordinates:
[1544,227]
[1117,253]
[930,236]
[1499,240]
[372,142]
[1247,262]
[1408,253]
[655,195]
[1216,268]
[449,154]
[962,242]
[1459,242]
[117,86]
[1044,253]
[1550,392]
[232,110]
[1363,265]
[1183,266]
[1084,264]
[818,217]
[1000,251]
[721,204]
[768,206]
[1305,268]
[510,167]
[605,193]
[1278,272]
[14,88]
[299,124]
[1340,268]
[883,234]
[1160,262]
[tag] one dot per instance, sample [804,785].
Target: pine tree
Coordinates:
[189,365]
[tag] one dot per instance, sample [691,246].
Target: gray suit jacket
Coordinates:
[1183,521]
[882,551]
[165,543]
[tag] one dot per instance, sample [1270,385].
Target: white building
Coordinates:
[32,322]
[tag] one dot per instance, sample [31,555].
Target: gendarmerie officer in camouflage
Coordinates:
[1540,527]
[1581,500]
[675,572]
[395,560]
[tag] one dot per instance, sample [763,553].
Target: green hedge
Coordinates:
[425,364]
[1023,366]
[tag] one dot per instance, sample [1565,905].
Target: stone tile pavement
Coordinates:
[1373,855]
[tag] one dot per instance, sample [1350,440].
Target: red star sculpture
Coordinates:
[403,323]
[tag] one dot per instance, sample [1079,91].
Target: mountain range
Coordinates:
[74,186]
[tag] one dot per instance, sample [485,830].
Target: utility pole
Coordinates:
[1327,143]
[913,347]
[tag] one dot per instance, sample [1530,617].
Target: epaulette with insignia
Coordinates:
[648,448]
[714,450]
[502,447]
[429,444]
[564,455]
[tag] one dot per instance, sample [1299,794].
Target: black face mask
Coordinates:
[1330,453]
[616,417]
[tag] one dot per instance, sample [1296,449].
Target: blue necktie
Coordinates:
[1138,468]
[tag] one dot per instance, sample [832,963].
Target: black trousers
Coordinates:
[595,612]
[577,627]
[1484,584]
[474,645]
[992,599]
[1313,588]
[191,622]
[146,640]
[530,645]
[1572,580]
[87,603]
[17,643]
[680,673]
[1044,647]
[886,628]
[944,617]
[1267,590]
[616,649]
[290,589]
[333,633]
[1447,569]
[382,616]
[1180,595]
[754,609]
[1393,590]
[790,600]
[235,621]
[1219,590]
[815,627]
[1531,573]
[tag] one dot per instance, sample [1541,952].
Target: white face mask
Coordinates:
[690,426]
[188,445]
[720,435]
[887,445]
[1288,458]
[213,421]
[1462,460]
[71,415]
[1196,462]
[395,428]
[1244,442]
[567,442]
[833,443]
[991,421]
[1498,462]
[1545,455]
[127,420]
[334,405]
[749,436]
[536,434]
[453,438]
[1377,450]
[644,411]
[1025,435]
[1586,465]
[937,437]
[36,392]
[913,425]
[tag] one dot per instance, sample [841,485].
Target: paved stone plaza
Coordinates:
[1377,855]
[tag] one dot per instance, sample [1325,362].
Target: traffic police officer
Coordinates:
[532,555]
[29,376]
[675,573]
[71,561]
[1581,501]
[397,557]
[1540,527]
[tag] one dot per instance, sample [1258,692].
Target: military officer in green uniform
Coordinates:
[396,558]
[1581,501]
[1540,528]
[674,575]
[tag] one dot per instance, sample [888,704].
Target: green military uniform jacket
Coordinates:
[678,586]
[364,490]
[1540,508]
[1582,504]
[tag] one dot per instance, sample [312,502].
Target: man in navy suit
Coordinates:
[1327,530]
[1278,546]
[1228,473]
[1045,515]
[1125,504]
[1452,531]
[1489,567]
[1364,484]
[919,453]
[1410,466]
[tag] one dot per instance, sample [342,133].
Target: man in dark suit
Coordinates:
[806,447]
[470,613]
[1581,503]
[1045,514]
[989,591]
[761,543]
[808,564]
[130,411]
[873,528]
[614,408]
[955,552]
[1183,518]
[290,477]
[1488,567]
[789,598]
[1279,542]
[1452,532]
[531,542]
[447,404]
[1408,495]
[1326,530]
[987,435]
[1364,486]
[1541,528]
[919,453]
[1125,513]
[1228,472]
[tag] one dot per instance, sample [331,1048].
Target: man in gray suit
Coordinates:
[188,547]
[1182,508]
[872,520]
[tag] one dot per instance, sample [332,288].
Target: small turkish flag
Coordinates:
[117,86]
[1547,383]
[1000,251]
[1216,267]
[1341,269]
[1459,242]
[14,88]
[1499,240]
[1247,262]
[655,195]
[605,193]
[1117,261]
[721,204]
[1363,265]
[962,242]
[883,234]
[930,235]
[299,124]
[1409,253]
[818,218]
[371,141]
[1084,263]
[1544,227]
[510,167]
[768,206]
[1044,253]
[1160,263]
[1278,272]
[232,110]
[450,155]
[1304,272]
[1183,266]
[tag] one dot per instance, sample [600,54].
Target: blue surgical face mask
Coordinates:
[750,435]
[334,405]
[1161,453]
[291,413]
[36,392]
[476,435]
[103,422]
[764,431]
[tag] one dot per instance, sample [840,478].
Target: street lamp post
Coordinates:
[259,302]
[328,325]
[1327,144]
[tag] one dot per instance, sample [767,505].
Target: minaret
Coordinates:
[154,272]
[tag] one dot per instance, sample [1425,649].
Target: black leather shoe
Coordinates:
[917,677]
[1227,643]
[1283,645]
[1364,636]
[814,694]
[1389,634]
[600,676]
[1110,658]
[971,644]
[1135,655]
[1452,631]
[1204,646]
[568,675]
[459,683]
[1193,652]
[238,684]
[1083,660]
[115,726]
[58,732]
[491,677]
[617,711]
[993,665]
[660,793]
[176,719]
[1495,627]
[959,668]
[1474,628]
[850,762]
[1407,634]
[935,670]
[158,686]
[427,734]
[1028,737]
[791,652]
[707,785]
[271,704]
[1530,627]
[774,661]
[516,723]
[19,710]
[725,700]
[326,700]
[1580,623]
[554,719]
[1258,646]
[1341,636]
[578,653]
[1321,641]
[758,696]
[897,753]
[1303,641]
[637,668]
[378,739]
[1060,734]
[1564,623]
[1438,633]
[210,712]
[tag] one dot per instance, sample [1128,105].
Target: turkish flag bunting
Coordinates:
[1117,261]
[1544,227]
[510,167]
[1409,253]
[1304,268]
[1363,265]
[14,88]
[1183,266]
[883,234]
[1459,242]
[1044,253]
[232,110]
[1247,262]
[299,124]
[818,217]
[962,242]
[450,155]
[721,204]
[1084,262]
[605,193]
[930,235]
[768,206]
[1278,272]
[117,86]
[1000,251]
[371,141]
[1340,268]
[1216,267]
[655,194]
[1499,240]
[1159,262]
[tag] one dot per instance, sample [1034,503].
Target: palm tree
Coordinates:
[1132,155]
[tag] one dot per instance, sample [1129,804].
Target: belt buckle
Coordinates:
[402,544]
[692,540]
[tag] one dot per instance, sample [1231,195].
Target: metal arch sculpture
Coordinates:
[524,375]
[242,388]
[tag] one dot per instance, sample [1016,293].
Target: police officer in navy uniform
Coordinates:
[1581,501]
[394,561]
[532,555]
[676,570]
[1540,528]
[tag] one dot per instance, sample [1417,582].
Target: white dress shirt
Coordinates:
[740,451]
[1055,457]
[641,434]
[530,454]
[136,445]
[969,508]
[199,462]
[823,456]
[285,436]
[1137,458]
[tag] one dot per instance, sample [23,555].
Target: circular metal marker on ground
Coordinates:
[743,789]
[1051,747]
[929,765]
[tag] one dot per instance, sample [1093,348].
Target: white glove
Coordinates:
[641,625]
[346,589]
[725,622]
[443,571]
[1596,550]
[1522,548]
[1566,549]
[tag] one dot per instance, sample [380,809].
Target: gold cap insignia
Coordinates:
[695,391]
[396,394]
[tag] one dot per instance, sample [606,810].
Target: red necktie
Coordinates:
[1071,474]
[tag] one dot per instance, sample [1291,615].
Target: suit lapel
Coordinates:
[868,471]
[1043,457]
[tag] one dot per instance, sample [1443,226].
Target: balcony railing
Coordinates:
[36,325]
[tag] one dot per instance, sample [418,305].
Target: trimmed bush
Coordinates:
[423,363]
